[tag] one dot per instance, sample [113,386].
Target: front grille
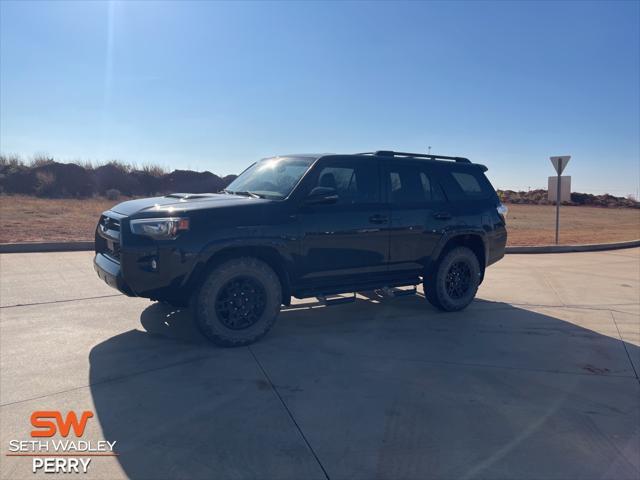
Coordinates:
[113,250]
[108,223]
[108,240]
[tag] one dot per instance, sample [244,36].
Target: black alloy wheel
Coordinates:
[458,280]
[454,281]
[240,303]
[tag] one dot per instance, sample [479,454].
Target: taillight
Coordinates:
[502,211]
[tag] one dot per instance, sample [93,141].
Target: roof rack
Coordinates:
[390,153]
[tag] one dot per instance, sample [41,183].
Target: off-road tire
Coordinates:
[436,285]
[207,312]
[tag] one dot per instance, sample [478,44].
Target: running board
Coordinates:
[398,292]
[391,292]
[335,299]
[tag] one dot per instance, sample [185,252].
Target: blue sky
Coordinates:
[214,86]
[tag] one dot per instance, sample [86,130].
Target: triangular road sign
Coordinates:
[559,163]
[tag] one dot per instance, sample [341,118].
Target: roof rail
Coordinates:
[390,153]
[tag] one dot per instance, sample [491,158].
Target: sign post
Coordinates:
[559,163]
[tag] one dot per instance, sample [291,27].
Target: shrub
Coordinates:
[112,194]
[41,161]
[153,170]
[116,175]
[45,184]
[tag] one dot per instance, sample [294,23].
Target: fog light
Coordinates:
[154,264]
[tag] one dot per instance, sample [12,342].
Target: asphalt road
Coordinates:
[537,379]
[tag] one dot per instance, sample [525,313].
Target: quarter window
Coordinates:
[468,183]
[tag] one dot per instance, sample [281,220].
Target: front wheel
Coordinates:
[238,302]
[454,282]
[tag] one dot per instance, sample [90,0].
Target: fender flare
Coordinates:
[272,251]
[453,235]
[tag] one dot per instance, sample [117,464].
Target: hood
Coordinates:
[182,202]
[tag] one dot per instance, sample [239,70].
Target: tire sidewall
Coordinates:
[456,255]
[206,315]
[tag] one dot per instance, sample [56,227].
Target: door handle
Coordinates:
[378,219]
[442,215]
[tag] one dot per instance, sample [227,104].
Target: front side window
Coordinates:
[271,177]
[353,183]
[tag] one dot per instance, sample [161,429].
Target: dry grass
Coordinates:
[31,219]
[536,224]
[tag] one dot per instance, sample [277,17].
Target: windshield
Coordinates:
[271,177]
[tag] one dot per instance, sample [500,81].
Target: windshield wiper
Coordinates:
[245,193]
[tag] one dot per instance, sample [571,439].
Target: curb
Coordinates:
[593,247]
[35,247]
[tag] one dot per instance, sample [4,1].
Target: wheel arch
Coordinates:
[475,241]
[269,255]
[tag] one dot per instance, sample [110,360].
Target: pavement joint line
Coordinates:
[431,362]
[108,380]
[275,390]
[595,308]
[547,280]
[624,344]
[479,365]
[61,301]
[541,305]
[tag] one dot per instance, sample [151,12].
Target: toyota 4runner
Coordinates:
[307,226]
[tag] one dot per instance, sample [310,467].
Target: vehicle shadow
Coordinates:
[380,388]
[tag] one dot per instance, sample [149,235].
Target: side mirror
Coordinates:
[322,195]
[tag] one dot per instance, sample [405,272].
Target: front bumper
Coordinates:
[109,271]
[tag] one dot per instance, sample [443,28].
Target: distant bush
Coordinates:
[41,161]
[153,170]
[45,182]
[539,197]
[115,175]
[113,194]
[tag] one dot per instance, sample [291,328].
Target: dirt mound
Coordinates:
[50,179]
[63,180]
[539,197]
[114,176]
[192,182]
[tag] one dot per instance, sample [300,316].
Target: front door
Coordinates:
[347,241]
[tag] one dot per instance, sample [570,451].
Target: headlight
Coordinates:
[160,228]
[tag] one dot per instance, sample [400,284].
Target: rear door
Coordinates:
[347,241]
[419,213]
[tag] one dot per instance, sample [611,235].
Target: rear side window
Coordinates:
[411,184]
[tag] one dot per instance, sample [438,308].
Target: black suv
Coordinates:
[307,226]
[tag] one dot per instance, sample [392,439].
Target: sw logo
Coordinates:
[60,455]
[45,426]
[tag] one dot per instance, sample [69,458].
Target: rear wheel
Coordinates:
[238,302]
[454,282]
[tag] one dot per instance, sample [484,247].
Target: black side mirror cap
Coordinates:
[322,195]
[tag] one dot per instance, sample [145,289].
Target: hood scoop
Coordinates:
[189,196]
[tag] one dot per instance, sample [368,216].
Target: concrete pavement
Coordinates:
[537,379]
